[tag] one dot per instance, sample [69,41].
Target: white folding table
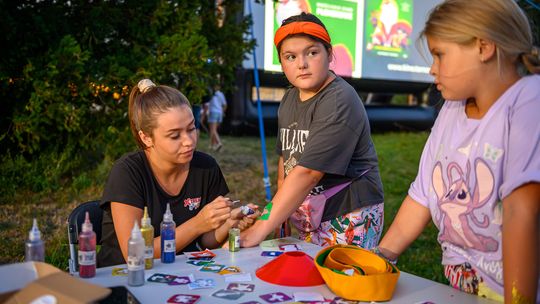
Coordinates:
[410,289]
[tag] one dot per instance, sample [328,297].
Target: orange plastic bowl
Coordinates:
[374,279]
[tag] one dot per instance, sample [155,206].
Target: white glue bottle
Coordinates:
[34,247]
[135,257]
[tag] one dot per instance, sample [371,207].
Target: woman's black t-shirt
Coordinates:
[132,182]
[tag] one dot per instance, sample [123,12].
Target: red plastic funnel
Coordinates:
[293,268]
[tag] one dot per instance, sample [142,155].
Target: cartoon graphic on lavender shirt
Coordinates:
[458,205]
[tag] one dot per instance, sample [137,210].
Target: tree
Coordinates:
[67,67]
[533,12]
[70,65]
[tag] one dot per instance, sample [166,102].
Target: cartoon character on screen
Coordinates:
[383,20]
[389,30]
[399,36]
[389,15]
[287,8]
[343,60]
[458,204]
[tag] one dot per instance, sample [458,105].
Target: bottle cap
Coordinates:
[35,234]
[146,221]
[136,232]
[87,225]
[167,217]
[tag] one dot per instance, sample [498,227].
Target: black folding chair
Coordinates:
[75,221]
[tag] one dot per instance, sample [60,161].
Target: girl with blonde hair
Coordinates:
[479,174]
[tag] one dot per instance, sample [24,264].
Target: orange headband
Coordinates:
[301,27]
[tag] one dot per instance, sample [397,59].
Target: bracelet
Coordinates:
[378,252]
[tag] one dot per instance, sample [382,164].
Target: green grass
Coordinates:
[240,160]
[399,154]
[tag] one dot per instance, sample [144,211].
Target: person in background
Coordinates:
[215,108]
[196,109]
[166,170]
[328,176]
[479,174]
[203,119]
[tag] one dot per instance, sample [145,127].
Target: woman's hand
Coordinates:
[248,220]
[241,221]
[214,214]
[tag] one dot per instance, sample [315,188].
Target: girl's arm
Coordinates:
[216,237]
[408,224]
[289,197]
[520,244]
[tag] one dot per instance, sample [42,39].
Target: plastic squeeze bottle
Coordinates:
[135,260]
[147,231]
[168,237]
[87,249]
[34,248]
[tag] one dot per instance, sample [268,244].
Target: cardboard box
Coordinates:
[30,281]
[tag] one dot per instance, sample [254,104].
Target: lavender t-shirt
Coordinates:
[469,166]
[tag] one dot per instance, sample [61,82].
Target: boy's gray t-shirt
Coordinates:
[330,133]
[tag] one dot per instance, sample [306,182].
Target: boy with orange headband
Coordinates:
[328,176]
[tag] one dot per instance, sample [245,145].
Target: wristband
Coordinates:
[378,252]
[266,212]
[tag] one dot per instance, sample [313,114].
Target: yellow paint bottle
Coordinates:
[147,231]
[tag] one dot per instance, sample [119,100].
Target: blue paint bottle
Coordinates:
[168,237]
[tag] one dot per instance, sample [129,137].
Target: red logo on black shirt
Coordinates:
[192,203]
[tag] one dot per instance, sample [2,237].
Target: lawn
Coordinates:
[240,160]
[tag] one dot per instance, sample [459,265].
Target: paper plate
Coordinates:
[293,268]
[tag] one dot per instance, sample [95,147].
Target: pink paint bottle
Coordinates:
[87,250]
